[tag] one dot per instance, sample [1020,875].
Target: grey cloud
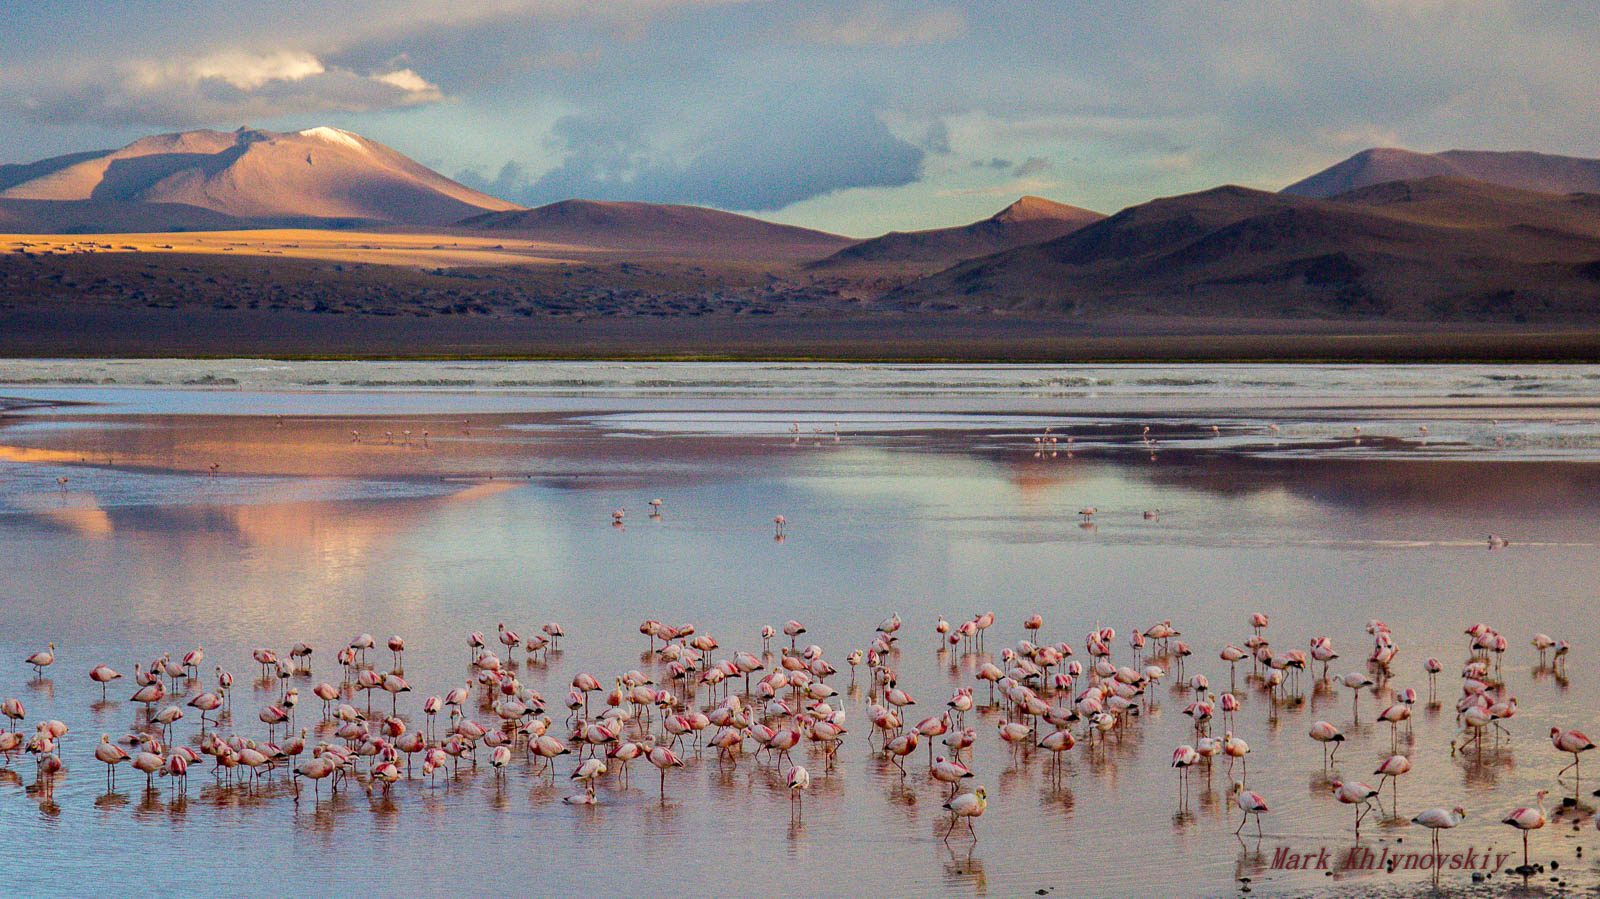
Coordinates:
[758,159]
[1033,165]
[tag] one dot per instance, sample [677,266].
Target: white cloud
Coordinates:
[248,71]
[224,87]
[407,80]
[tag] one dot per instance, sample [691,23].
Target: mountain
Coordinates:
[1527,171]
[658,230]
[1434,248]
[1029,220]
[247,176]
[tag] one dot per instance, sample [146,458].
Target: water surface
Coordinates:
[236,504]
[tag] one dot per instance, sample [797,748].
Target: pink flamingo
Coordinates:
[1528,818]
[1251,803]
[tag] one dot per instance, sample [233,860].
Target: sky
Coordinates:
[858,116]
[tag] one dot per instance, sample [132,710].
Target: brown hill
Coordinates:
[1027,221]
[1431,249]
[1527,171]
[248,175]
[658,229]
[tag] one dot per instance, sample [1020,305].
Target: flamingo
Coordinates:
[1528,818]
[102,675]
[950,772]
[1249,802]
[590,771]
[663,758]
[1571,742]
[1357,682]
[1395,714]
[315,770]
[1544,644]
[1233,655]
[1437,819]
[1236,748]
[965,807]
[1391,769]
[1357,794]
[1326,733]
[42,659]
[799,780]
[1184,758]
[394,685]
[177,768]
[112,755]
[793,629]
[149,694]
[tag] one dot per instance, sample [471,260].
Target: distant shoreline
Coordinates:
[925,338]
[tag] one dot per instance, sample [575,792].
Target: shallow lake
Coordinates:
[151,507]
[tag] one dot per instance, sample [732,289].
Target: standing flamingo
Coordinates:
[799,780]
[102,675]
[1437,819]
[1326,733]
[1391,769]
[112,755]
[664,758]
[42,659]
[1356,794]
[965,807]
[1249,802]
[1528,818]
[1571,742]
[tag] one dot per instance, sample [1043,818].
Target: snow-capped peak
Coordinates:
[333,136]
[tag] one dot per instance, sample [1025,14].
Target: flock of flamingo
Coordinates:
[772,706]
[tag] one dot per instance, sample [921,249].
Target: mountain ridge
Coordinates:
[1028,220]
[1527,170]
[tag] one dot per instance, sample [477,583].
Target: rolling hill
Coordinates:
[657,229]
[1027,221]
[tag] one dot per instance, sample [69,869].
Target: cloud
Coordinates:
[245,71]
[758,158]
[1010,188]
[1033,165]
[228,86]
[880,25]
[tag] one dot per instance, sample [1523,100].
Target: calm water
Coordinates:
[915,490]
